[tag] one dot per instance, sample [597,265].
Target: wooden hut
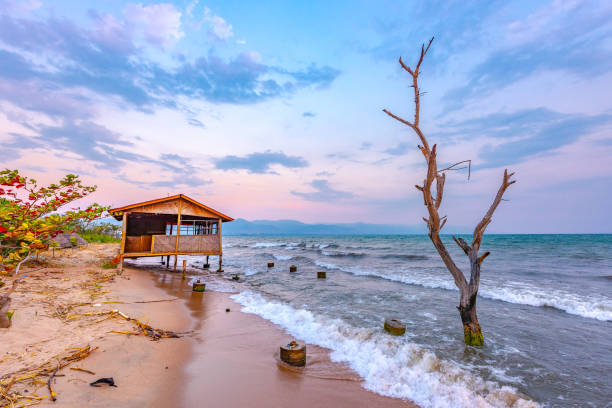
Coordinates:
[176,225]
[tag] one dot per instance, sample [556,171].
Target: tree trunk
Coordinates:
[472,333]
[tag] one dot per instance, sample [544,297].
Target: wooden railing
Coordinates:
[186,243]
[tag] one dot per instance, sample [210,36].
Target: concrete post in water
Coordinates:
[293,268]
[236,277]
[294,353]
[198,286]
[321,275]
[270,264]
[395,327]
[184,267]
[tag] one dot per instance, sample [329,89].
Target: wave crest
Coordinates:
[388,365]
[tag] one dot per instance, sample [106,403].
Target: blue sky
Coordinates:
[273,110]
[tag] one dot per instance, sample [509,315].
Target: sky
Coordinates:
[273,110]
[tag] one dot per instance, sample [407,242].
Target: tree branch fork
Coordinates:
[432,201]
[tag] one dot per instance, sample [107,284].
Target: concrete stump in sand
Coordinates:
[294,353]
[270,264]
[321,275]
[395,327]
[293,268]
[199,287]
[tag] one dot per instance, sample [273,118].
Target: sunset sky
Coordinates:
[273,110]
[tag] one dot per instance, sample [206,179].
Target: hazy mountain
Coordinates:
[290,227]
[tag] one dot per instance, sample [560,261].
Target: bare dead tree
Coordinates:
[435,223]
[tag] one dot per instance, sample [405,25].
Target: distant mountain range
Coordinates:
[241,226]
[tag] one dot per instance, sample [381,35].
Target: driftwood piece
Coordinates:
[49,383]
[468,289]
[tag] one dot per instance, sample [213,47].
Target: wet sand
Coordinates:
[225,359]
[147,372]
[234,361]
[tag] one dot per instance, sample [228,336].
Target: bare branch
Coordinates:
[407,68]
[486,220]
[424,150]
[439,189]
[452,167]
[462,244]
[418,187]
[482,257]
[443,222]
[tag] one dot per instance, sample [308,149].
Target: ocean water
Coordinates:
[545,306]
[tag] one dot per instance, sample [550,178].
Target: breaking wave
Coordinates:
[389,366]
[591,307]
[282,257]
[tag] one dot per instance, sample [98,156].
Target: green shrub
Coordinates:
[74,241]
[109,265]
[100,238]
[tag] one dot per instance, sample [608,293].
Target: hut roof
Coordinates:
[152,204]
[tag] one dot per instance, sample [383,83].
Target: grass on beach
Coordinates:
[93,237]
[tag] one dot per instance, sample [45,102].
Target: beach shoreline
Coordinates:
[223,358]
[234,359]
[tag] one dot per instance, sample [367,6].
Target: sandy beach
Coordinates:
[222,359]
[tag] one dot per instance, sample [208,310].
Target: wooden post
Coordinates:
[184,267]
[220,246]
[178,224]
[178,230]
[167,261]
[123,239]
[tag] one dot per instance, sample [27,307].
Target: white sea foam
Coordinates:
[282,257]
[593,307]
[389,366]
[268,244]
[327,265]
[250,271]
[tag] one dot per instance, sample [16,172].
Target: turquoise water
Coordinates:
[545,306]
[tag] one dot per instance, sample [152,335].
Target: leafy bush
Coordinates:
[29,218]
[103,233]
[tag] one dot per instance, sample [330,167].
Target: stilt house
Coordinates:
[176,225]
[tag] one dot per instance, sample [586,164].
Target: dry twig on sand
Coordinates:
[30,376]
